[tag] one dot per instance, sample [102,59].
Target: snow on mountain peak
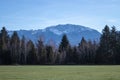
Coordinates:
[55,31]
[67,28]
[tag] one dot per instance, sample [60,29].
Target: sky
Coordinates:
[39,14]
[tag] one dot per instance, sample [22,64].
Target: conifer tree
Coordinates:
[63,48]
[15,48]
[82,50]
[41,52]
[103,55]
[117,55]
[31,53]
[22,51]
[5,57]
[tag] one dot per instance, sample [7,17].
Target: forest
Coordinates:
[20,51]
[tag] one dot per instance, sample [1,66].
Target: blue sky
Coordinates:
[38,14]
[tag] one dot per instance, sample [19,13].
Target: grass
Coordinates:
[59,72]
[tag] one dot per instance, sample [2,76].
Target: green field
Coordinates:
[59,72]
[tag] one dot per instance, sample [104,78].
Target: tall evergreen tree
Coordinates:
[82,50]
[15,48]
[22,51]
[64,43]
[41,52]
[104,55]
[5,57]
[31,53]
[113,44]
[117,55]
[87,52]
[63,48]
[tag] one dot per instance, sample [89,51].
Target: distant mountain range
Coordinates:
[55,33]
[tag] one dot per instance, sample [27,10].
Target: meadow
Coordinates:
[60,72]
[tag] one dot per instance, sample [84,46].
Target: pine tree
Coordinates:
[103,55]
[41,52]
[113,44]
[15,48]
[31,53]
[63,48]
[22,51]
[5,57]
[64,44]
[82,50]
[117,55]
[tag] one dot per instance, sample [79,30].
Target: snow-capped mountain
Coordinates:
[55,33]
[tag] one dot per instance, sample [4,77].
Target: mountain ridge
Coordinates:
[54,33]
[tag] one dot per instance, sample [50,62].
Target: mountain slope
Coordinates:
[54,33]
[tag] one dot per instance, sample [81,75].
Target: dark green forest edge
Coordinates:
[16,51]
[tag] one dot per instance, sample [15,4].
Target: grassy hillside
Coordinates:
[59,72]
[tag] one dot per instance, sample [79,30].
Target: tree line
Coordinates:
[19,51]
